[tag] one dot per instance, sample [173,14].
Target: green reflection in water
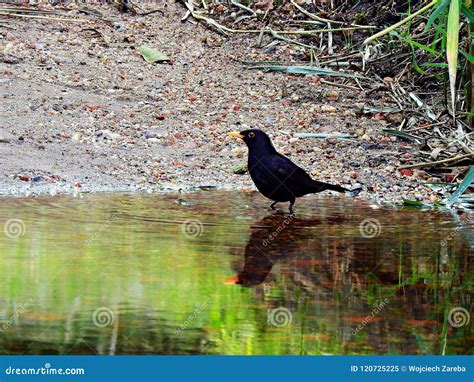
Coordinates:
[219,274]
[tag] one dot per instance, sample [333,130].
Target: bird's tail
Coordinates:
[321,186]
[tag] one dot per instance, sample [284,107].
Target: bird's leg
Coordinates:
[292,201]
[272,206]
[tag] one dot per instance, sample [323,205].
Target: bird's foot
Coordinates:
[291,208]
[272,206]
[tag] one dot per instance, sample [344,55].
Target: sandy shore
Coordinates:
[82,111]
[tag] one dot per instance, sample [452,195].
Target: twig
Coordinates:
[237,4]
[312,15]
[330,48]
[358,83]
[27,10]
[338,85]
[44,17]
[151,12]
[290,41]
[395,26]
[430,164]
[353,26]
[315,31]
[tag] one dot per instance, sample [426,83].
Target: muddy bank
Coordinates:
[83,112]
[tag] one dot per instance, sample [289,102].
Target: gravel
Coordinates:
[85,113]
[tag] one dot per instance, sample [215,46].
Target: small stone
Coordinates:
[269,121]
[37,179]
[190,145]
[328,109]
[107,134]
[396,118]
[118,26]
[184,202]
[149,134]
[406,172]
[5,136]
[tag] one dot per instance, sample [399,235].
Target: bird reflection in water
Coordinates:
[280,238]
[319,255]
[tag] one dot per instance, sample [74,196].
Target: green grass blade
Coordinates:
[305,70]
[468,56]
[468,179]
[401,134]
[452,47]
[414,203]
[435,65]
[417,44]
[468,13]
[436,13]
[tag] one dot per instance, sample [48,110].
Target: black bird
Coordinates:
[275,176]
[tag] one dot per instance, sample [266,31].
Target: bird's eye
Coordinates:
[251,135]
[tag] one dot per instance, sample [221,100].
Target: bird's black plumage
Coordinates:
[274,175]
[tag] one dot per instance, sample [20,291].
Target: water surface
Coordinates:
[217,273]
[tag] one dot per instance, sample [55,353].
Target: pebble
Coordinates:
[5,136]
[154,134]
[107,134]
[328,109]
[132,105]
[269,121]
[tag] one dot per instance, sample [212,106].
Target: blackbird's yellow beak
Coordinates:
[235,134]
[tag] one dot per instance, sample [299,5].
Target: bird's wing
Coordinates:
[297,180]
[293,176]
